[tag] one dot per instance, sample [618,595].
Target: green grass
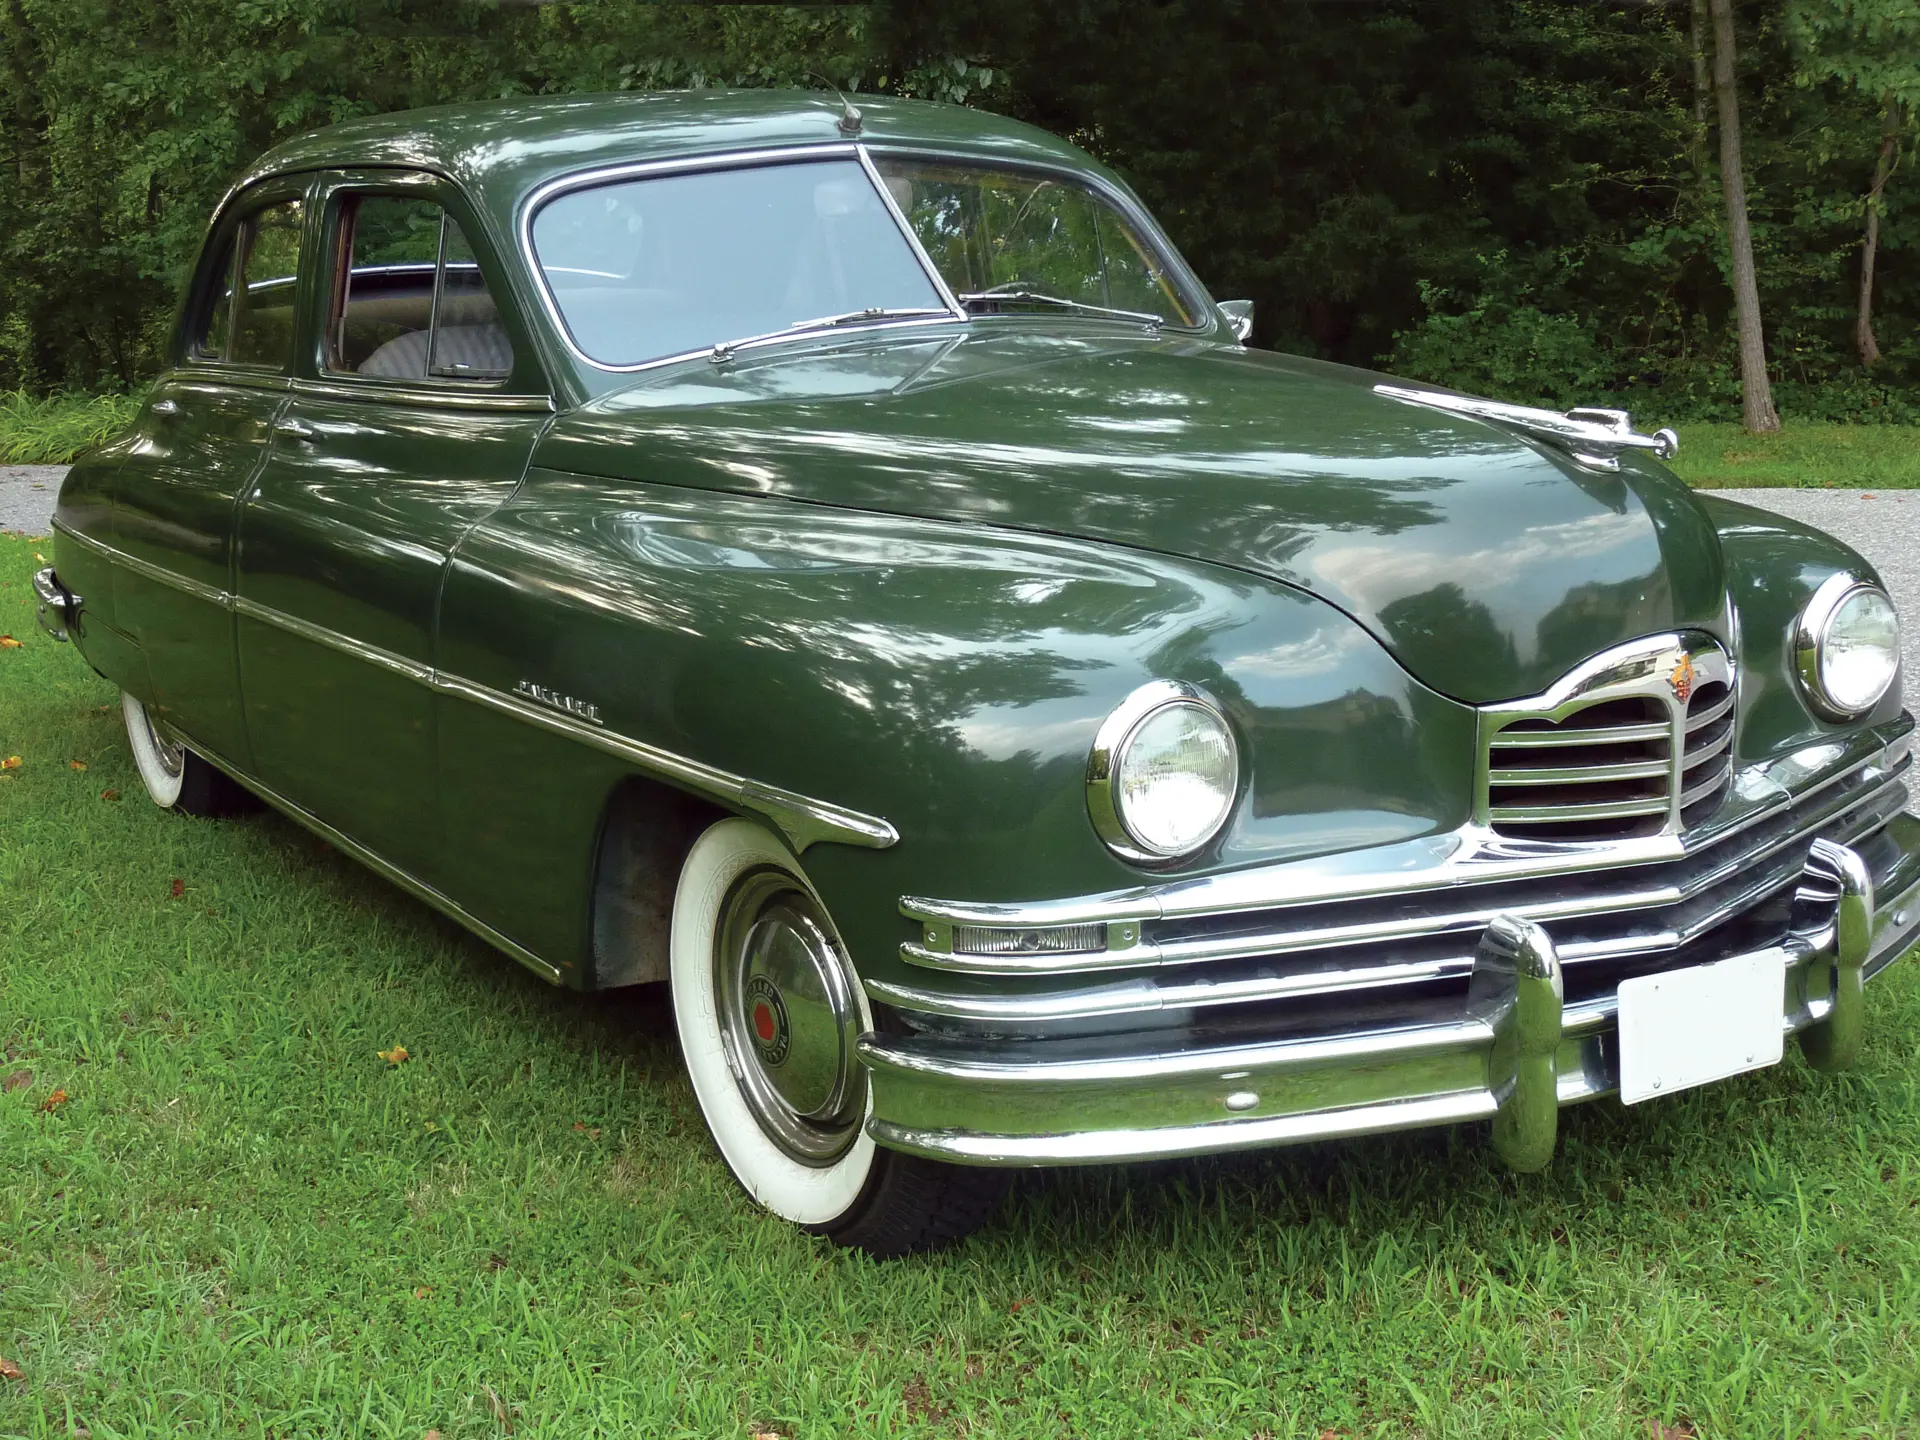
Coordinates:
[59,429]
[1844,457]
[244,1222]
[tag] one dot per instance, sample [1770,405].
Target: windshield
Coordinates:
[1011,240]
[669,265]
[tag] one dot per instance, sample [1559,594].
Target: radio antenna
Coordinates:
[849,122]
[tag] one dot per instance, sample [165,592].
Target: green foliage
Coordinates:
[1511,195]
[57,429]
[1496,194]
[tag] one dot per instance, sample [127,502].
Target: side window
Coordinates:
[410,302]
[263,307]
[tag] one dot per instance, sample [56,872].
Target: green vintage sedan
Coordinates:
[841,563]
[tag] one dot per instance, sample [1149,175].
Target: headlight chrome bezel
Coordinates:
[1810,634]
[1105,759]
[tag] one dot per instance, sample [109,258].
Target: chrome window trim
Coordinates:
[1120,726]
[446,394]
[803,819]
[1194,293]
[863,152]
[544,194]
[1809,631]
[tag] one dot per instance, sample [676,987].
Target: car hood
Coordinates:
[1487,564]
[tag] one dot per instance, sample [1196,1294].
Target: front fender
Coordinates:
[947,678]
[1773,566]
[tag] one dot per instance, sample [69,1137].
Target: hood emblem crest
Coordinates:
[1682,679]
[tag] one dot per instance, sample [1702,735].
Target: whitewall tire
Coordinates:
[768,1008]
[175,778]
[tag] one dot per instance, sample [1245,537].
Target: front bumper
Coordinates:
[1470,980]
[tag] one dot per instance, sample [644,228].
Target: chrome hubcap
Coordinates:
[788,1017]
[169,751]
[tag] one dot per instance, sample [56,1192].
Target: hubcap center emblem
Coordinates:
[767,1012]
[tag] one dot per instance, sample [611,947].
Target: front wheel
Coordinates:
[768,1011]
[175,777]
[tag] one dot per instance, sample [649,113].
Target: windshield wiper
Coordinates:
[872,312]
[724,350]
[1034,297]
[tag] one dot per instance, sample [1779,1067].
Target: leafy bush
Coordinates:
[58,429]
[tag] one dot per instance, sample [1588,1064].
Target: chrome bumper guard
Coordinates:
[1827,875]
[55,600]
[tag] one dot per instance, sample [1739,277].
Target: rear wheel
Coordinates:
[175,777]
[768,1011]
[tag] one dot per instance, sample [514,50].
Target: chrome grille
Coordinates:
[1244,955]
[1636,742]
[1605,772]
[1706,762]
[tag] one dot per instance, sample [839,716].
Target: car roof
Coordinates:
[503,149]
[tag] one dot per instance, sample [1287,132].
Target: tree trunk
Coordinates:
[1702,96]
[1756,394]
[1863,336]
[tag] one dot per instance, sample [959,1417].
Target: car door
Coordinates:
[415,420]
[204,434]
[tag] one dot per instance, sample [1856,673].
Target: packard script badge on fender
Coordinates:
[1682,679]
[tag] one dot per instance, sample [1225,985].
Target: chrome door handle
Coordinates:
[297,430]
[166,407]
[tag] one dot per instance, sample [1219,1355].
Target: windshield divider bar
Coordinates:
[947,297]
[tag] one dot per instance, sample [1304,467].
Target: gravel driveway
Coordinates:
[1882,525]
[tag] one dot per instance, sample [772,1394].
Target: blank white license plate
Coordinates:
[1706,1022]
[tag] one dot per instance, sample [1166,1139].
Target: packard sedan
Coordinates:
[840,562]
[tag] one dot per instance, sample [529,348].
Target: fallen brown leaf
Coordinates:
[109,794]
[431,1435]
[12,762]
[420,1292]
[1679,1430]
[499,1408]
[1017,1306]
[54,1101]
[396,1056]
[179,889]
[7,642]
[10,1371]
[18,1080]
[77,764]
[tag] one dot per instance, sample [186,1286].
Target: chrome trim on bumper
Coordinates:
[53,596]
[1498,1039]
[1469,856]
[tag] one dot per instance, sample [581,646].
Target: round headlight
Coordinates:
[1848,647]
[1163,774]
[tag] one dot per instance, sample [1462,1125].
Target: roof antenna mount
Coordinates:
[849,122]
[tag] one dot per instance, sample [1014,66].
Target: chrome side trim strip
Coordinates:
[333,640]
[422,397]
[159,574]
[801,818]
[419,889]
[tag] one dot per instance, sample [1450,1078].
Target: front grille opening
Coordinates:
[1604,772]
[1707,760]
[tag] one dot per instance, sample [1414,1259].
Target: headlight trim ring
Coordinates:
[1104,761]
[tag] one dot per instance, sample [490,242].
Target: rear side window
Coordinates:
[410,302]
[251,308]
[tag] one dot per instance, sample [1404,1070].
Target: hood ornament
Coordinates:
[1681,678]
[1594,437]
